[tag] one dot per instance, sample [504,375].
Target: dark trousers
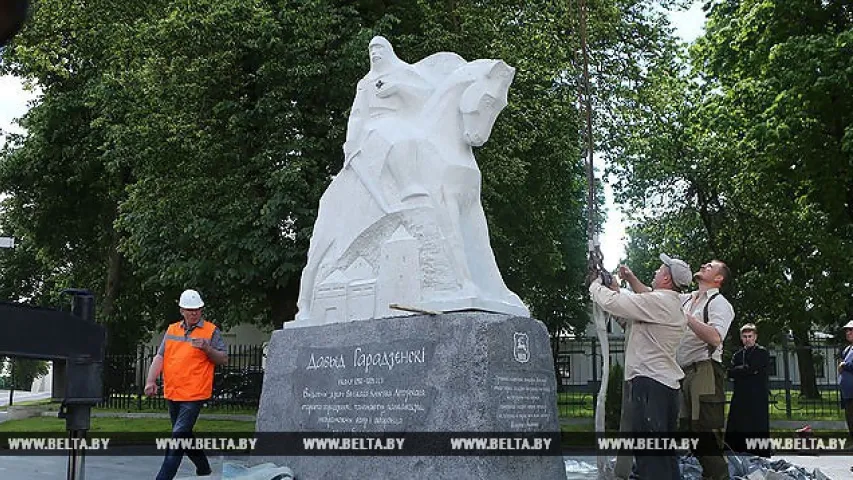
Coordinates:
[654,409]
[625,460]
[183,416]
[848,414]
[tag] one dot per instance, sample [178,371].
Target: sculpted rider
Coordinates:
[387,101]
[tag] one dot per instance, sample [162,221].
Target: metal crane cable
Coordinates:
[595,257]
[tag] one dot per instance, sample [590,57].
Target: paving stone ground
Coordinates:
[97,468]
[836,467]
[21,396]
[130,467]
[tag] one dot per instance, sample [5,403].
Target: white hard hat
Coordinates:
[190,299]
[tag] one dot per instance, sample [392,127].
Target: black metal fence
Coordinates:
[810,393]
[236,385]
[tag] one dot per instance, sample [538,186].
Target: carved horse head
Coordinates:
[466,104]
[483,100]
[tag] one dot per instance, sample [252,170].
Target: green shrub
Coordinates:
[613,408]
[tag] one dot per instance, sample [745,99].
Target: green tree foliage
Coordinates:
[63,191]
[747,158]
[243,132]
[186,144]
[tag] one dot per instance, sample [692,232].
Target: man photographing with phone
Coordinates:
[657,326]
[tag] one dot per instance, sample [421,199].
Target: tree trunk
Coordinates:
[283,302]
[555,355]
[703,200]
[111,289]
[805,364]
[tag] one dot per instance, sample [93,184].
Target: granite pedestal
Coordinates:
[457,372]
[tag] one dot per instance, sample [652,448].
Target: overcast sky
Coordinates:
[13,102]
[689,24]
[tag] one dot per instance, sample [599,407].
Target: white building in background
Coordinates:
[578,356]
[40,384]
[44,383]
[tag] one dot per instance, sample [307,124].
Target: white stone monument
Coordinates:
[402,222]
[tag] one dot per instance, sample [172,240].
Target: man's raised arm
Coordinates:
[636,285]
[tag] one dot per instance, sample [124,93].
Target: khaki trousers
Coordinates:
[703,402]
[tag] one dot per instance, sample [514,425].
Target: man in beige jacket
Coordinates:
[657,326]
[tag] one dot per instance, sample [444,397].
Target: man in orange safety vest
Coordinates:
[188,354]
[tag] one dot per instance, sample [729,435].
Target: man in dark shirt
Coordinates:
[845,377]
[749,413]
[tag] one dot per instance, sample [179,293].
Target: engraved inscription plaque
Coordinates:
[522,386]
[520,401]
[367,387]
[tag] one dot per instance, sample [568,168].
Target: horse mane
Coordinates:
[464,74]
[436,67]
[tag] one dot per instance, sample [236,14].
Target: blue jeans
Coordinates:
[183,416]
